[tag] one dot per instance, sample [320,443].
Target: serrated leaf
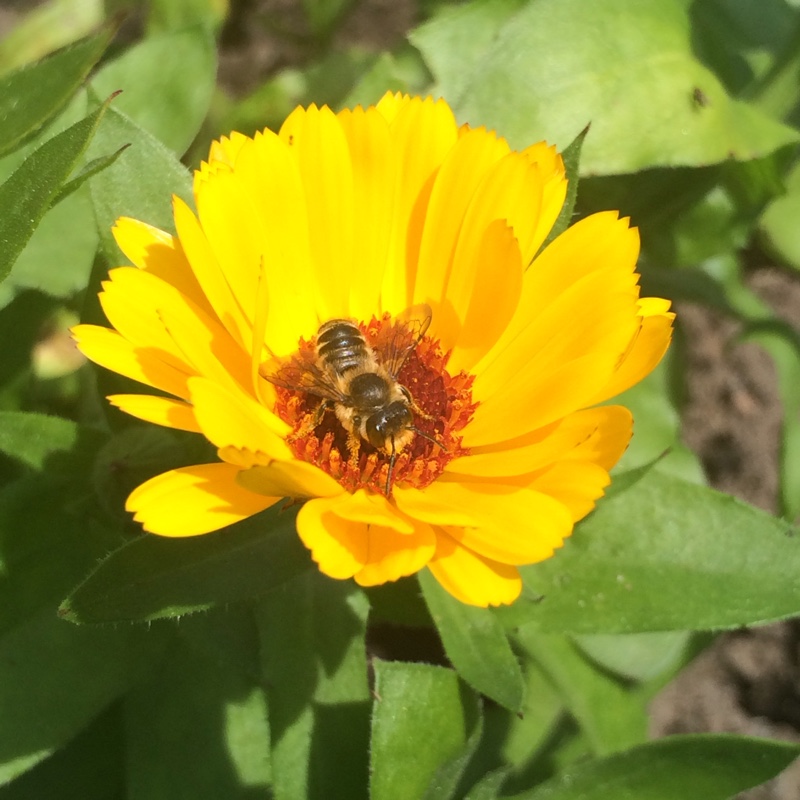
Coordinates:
[55,678]
[32,95]
[89,170]
[28,193]
[154,577]
[314,660]
[167,82]
[667,555]
[572,162]
[629,69]
[421,721]
[139,184]
[476,644]
[675,768]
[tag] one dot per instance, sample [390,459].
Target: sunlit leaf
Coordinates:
[166,81]
[196,729]
[675,768]
[315,670]
[613,717]
[629,70]
[139,184]
[28,193]
[476,644]
[666,555]
[422,719]
[31,96]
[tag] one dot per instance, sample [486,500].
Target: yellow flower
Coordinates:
[372,217]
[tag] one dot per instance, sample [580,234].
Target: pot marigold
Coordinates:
[356,317]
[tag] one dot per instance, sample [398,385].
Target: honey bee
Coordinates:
[359,381]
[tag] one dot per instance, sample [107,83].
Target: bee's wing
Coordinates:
[305,375]
[399,339]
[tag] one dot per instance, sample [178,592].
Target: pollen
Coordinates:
[444,401]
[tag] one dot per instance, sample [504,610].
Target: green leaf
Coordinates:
[611,716]
[31,96]
[139,184]
[476,644]
[314,660]
[489,787]
[28,193]
[32,438]
[778,226]
[629,70]
[572,161]
[89,170]
[667,555]
[421,721]
[637,656]
[48,541]
[55,678]
[196,729]
[58,258]
[154,577]
[90,766]
[167,82]
[675,768]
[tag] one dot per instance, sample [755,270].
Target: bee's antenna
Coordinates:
[424,436]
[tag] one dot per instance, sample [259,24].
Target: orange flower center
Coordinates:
[441,407]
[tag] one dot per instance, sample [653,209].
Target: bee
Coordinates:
[359,381]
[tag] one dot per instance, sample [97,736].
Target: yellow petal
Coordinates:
[472,579]
[338,546]
[576,485]
[647,348]
[266,161]
[316,139]
[513,524]
[554,191]
[456,182]
[234,235]
[194,500]
[226,150]
[159,410]
[206,345]
[375,176]
[232,419]
[289,479]
[209,275]
[600,247]
[436,506]
[160,254]
[128,306]
[483,294]
[542,447]
[534,400]
[416,121]
[392,555]
[146,365]
[374,509]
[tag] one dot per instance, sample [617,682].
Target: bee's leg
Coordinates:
[354,448]
[311,422]
[390,472]
[412,404]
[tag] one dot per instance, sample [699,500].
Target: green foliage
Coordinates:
[226,665]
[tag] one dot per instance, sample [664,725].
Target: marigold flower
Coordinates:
[372,216]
